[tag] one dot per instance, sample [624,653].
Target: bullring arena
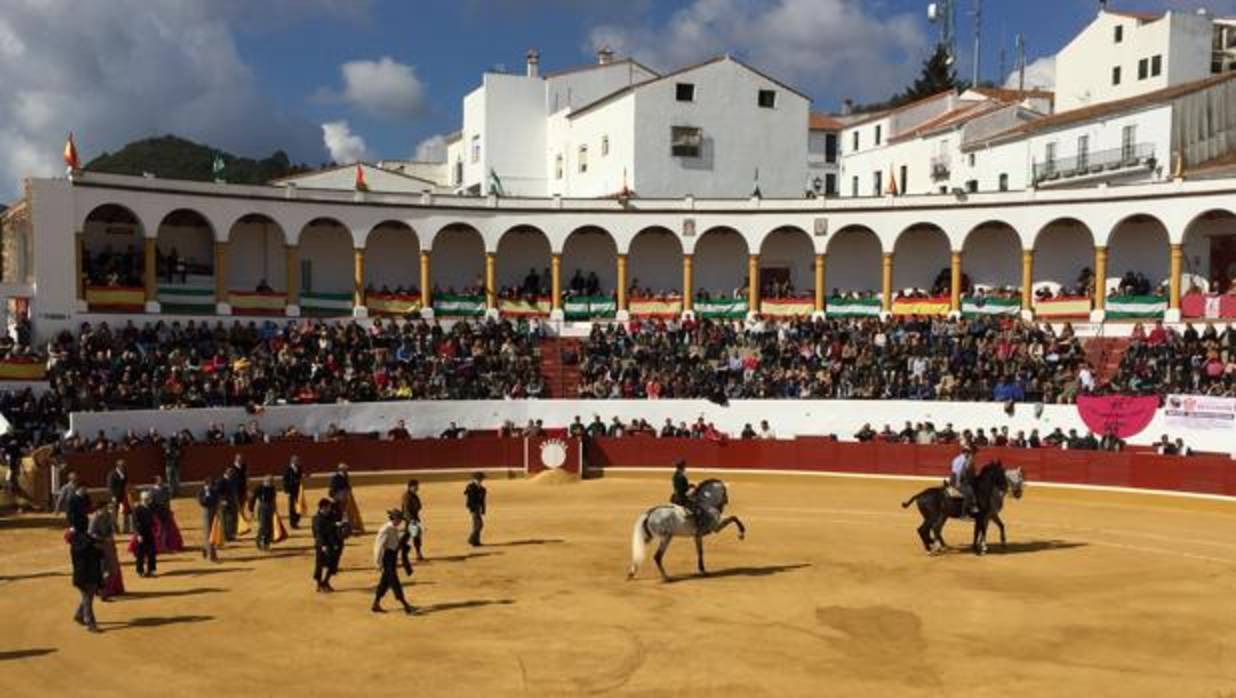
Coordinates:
[1097,593]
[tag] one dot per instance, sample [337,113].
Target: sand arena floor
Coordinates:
[1099,594]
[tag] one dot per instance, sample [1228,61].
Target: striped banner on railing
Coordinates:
[23,370]
[326,301]
[459,306]
[1070,307]
[922,306]
[655,307]
[838,306]
[974,306]
[392,304]
[253,303]
[117,298]
[186,295]
[787,307]
[589,307]
[721,309]
[1136,307]
[521,307]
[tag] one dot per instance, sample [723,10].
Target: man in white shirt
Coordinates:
[766,431]
[385,556]
[960,477]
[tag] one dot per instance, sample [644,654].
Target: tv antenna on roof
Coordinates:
[941,12]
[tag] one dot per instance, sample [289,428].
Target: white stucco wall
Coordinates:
[720,262]
[654,261]
[457,260]
[992,257]
[919,256]
[514,134]
[1060,253]
[614,121]
[256,252]
[518,251]
[790,249]
[326,259]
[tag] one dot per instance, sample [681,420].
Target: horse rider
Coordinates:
[961,478]
[684,491]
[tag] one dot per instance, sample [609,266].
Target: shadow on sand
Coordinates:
[1032,546]
[461,605]
[765,571]
[459,558]
[37,521]
[25,654]
[153,622]
[204,571]
[32,575]
[170,594]
[526,541]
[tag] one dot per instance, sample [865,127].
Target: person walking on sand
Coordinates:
[87,561]
[474,495]
[103,530]
[386,546]
[262,505]
[411,506]
[208,499]
[145,546]
[327,544]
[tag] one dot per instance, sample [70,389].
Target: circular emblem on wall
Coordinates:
[553,453]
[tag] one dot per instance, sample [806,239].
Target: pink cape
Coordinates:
[113,581]
[169,541]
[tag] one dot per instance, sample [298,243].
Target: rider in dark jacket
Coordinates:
[684,492]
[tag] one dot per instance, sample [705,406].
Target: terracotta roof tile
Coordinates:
[823,122]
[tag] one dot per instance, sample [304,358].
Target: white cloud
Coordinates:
[124,69]
[1040,74]
[432,149]
[385,88]
[344,146]
[828,47]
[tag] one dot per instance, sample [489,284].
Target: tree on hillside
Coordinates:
[171,157]
[936,76]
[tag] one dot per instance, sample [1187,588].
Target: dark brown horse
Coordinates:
[990,486]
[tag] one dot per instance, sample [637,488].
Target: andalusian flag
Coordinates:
[70,154]
[216,167]
[495,184]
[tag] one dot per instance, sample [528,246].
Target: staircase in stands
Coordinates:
[561,377]
[1104,355]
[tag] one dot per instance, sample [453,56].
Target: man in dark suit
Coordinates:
[474,494]
[292,479]
[144,528]
[118,487]
[327,543]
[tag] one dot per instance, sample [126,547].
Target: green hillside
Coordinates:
[170,157]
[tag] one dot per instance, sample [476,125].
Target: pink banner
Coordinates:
[1123,415]
[1200,305]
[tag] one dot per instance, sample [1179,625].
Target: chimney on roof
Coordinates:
[847,106]
[605,55]
[534,63]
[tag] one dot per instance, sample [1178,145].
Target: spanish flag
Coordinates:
[360,179]
[70,154]
[216,531]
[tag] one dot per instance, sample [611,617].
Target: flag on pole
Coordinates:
[360,178]
[495,184]
[70,154]
[892,182]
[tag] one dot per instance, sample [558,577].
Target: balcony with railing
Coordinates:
[941,167]
[1121,160]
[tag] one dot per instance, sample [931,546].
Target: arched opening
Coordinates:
[589,274]
[1138,258]
[327,271]
[113,247]
[392,259]
[654,269]
[991,261]
[720,265]
[1063,259]
[256,255]
[922,260]
[457,265]
[1209,255]
[787,265]
[852,272]
[184,262]
[523,261]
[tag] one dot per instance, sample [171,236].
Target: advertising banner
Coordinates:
[1200,412]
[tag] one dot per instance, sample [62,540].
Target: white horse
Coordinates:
[669,520]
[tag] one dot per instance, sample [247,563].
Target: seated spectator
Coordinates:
[399,432]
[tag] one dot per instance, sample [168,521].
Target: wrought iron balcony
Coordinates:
[1140,155]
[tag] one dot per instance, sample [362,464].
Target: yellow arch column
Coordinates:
[426,293]
[621,291]
[358,283]
[1100,283]
[1174,284]
[491,287]
[555,271]
[820,289]
[1027,283]
[753,283]
[223,300]
[887,282]
[688,285]
[954,293]
[292,259]
[150,274]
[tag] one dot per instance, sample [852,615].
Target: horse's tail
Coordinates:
[641,535]
[913,499]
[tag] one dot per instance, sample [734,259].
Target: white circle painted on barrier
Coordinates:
[553,454]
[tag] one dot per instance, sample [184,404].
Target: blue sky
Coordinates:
[383,76]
